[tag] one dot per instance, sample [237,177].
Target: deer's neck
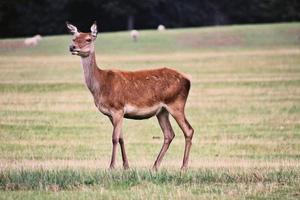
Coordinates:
[91,72]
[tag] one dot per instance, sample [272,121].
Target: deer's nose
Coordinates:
[72,47]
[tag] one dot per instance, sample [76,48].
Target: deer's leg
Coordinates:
[164,122]
[116,120]
[178,113]
[124,156]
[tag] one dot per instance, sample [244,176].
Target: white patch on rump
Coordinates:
[133,110]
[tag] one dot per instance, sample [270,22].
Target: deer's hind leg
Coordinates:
[177,111]
[164,122]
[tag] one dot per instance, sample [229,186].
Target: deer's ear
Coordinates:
[72,28]
[94,30]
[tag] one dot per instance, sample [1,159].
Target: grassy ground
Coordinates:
[244,105]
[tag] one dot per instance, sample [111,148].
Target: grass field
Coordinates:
[244,105]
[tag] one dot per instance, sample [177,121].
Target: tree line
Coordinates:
[47,17]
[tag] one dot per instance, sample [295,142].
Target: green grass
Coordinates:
[244,105]
[142,183]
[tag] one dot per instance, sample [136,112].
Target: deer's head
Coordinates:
[82,43]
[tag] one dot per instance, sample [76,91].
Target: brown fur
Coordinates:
[147,87]
[135,95]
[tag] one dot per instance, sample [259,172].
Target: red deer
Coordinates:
[134,95]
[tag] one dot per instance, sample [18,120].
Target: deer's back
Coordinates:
[145,87]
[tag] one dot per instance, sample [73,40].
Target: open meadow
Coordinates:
[244,105]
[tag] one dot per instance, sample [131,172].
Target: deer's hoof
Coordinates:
[111,167]
[126,166]
[184,168]
[155,168]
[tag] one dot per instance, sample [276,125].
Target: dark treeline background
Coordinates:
[47,17]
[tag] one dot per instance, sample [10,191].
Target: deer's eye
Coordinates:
[89,40]
[73,40]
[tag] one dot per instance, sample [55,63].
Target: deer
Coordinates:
[134,95]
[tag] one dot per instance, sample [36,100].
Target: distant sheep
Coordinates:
[33,41]
[161,28]
[134,35]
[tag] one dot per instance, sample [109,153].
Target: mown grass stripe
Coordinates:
[40,87]
[249,84]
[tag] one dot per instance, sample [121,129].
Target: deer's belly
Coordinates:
[134,112]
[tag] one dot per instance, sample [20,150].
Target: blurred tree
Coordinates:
[23,17]
[129,8]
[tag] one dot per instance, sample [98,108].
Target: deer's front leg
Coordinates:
[124,156]
[116,120]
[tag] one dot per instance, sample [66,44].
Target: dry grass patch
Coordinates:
[201,163]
